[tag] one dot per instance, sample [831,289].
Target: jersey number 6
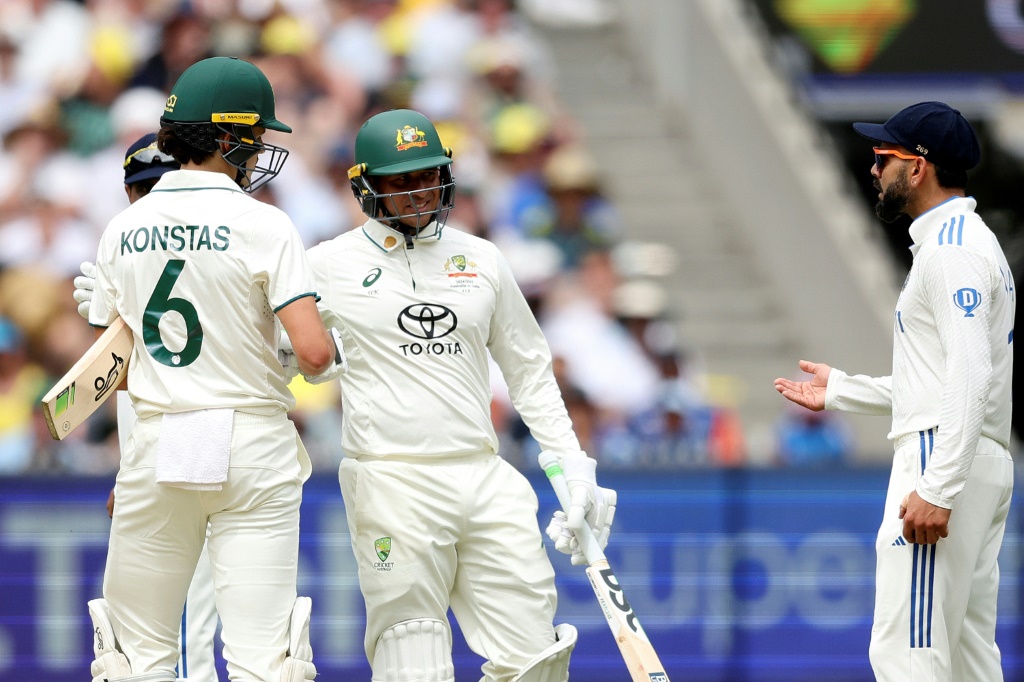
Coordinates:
[159,304]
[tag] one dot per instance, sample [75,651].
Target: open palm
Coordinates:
[809,394]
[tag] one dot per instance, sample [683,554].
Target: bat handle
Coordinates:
[553,470]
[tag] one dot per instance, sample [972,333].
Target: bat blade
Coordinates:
[637,651]
[89,382]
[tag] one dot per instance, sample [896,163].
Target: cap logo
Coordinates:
[922,149]
[246,119]
[171,101]
[409,137]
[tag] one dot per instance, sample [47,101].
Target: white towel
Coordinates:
[194,449]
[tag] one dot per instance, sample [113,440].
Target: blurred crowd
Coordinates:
[81,80]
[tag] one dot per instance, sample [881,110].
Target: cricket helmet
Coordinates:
[393,143]
[227,95]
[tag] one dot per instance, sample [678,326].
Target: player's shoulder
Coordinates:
[957,227]
[461,238]
[346,241]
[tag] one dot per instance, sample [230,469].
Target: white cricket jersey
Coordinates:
[952,350]
[417,325]
[197,269]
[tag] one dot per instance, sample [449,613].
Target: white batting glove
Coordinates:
[286,356]
[84,286]
[589,503]
[338,367]
[564,539]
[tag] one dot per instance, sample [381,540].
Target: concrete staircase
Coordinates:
[728,311]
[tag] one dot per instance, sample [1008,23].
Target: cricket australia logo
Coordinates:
[172,101]
[409,137]
[382,546]
[967,300]
[459,266]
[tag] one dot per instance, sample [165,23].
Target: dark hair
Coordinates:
[169,142]
[949,178]
[143,187]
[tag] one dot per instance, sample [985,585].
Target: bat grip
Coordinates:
[585,536]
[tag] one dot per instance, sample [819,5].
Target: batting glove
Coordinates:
[84,286]
[589,503]
[338,367]
[564,539]
[286,356]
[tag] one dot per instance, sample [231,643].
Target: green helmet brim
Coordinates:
[401,167]
[275,125]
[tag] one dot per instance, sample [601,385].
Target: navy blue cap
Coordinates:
[144,161]
[935,130]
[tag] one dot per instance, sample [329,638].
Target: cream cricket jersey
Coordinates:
[952,350]
[197,269]
[417,325]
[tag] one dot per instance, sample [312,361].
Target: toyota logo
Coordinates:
[427,321]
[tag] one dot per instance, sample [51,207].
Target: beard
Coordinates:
[894,199]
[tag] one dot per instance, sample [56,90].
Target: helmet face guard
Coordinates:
[379,206]
[243,146]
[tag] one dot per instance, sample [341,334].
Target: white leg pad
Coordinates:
[418,650]
[298,664]
[110,663]
[146,677]
[552,664]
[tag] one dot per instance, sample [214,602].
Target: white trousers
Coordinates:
[460,533]
[157,535]
[197,660]
[935,605]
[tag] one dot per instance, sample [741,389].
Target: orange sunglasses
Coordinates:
[880,153]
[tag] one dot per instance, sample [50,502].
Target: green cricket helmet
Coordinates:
[227,95]
[394,143]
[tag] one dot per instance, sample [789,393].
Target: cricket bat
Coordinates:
[637,651]
[90,381]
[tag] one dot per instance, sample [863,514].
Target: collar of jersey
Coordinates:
[931,220]
[378,233]
[178,180]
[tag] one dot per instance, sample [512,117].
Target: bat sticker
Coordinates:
[618,598]
[105,385]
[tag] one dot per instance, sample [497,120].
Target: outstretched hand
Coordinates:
[809,394]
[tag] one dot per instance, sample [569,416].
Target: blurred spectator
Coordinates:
[514,194]
[355,45]
[52,233]
[22,384]
[185,40]
[52,38]
[602,359]
[578,218]
[20,96]
[807,439]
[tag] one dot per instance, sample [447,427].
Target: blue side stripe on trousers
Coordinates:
[922,578]
[184,644]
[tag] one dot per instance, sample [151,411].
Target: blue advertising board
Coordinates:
[736,576]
